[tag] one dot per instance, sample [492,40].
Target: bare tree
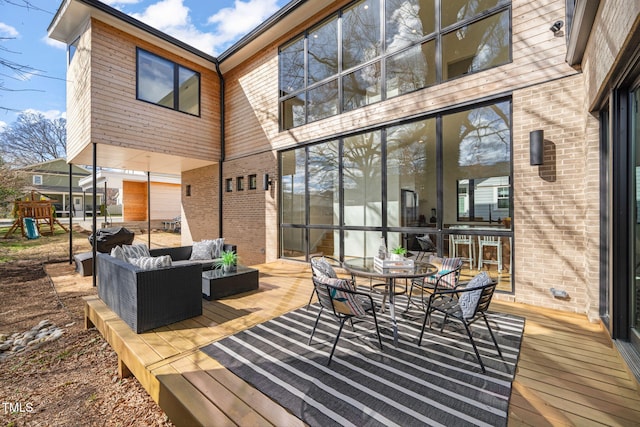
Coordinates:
[33,138]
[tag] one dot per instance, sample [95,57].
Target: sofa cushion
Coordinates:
[151,263]
[201,250]
[136,251]
[217,247]
[118,252]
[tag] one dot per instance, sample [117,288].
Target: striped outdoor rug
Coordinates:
[439,383]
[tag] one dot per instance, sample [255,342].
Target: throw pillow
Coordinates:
[118,252]
[469,299]
[201,250]
[343,302]
[322,268]
[217,245]
[135,251]
[151,263]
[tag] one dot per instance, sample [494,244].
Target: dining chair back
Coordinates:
[322,266]
[465,305]
[447,277]
[340,297]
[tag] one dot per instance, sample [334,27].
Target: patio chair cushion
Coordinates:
[469,300]
[135,251]
[343,302]
[202,250]
[322,268]
[118,252]
[151,263]
[444,266]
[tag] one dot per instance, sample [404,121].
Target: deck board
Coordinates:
[569,371]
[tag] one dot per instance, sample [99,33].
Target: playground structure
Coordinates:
[41,211]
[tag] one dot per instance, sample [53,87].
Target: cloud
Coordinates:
[234,22]
[172,17]
[231,23]
[49,114]
[116,3]
[8,31]
[54,43]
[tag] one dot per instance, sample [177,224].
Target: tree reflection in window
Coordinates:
[361,33]
[362,179]
[337,65]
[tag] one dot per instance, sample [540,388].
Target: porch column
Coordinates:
[149,209]
[70,213]
[94,217]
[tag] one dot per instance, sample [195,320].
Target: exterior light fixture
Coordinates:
[536,147]
[555,28]
[266,182]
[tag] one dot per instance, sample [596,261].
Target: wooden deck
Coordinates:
[569,373]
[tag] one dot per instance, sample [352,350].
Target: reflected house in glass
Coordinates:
[393,118]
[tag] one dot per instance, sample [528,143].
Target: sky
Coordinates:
[209,25]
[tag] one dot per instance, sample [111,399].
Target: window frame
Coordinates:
[176,67]
[285,98]
[37,178]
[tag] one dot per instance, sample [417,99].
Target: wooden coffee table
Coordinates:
[217,284]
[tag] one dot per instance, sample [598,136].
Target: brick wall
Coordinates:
[200,209]
[250,216]
[556,226]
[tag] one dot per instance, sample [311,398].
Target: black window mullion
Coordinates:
[341,195]
[176,86]
[383,171]
[439,184]
[438,40]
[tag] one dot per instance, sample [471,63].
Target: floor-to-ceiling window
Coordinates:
[372,50]
[435,179]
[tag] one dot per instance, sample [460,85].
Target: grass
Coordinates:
[46,247]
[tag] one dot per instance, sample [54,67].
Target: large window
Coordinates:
[168,84]
[417,184]
[373,50]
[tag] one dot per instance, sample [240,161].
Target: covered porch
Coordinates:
[569,372]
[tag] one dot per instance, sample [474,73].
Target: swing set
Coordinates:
[40,211]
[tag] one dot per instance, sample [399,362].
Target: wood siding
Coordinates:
[119,119]
[79,96]
[134,201]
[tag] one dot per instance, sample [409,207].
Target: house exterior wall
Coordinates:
[118,118]
[79,95]
[556,206]
[200,209]
[134,201]
[250,216]
[613,29]
[551,201]
[165,200]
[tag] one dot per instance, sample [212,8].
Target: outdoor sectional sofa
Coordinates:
[149,299]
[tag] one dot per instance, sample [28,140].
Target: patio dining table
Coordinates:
[365,267]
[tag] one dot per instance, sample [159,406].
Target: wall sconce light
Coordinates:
[555,28]
[267,182]
[536,147]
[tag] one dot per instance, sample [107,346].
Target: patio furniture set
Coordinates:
[435,288]
[150,288]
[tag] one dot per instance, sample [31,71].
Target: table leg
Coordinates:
[392,309]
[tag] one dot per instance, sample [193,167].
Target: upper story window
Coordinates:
[373,50]
[37,179]
[168,84]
